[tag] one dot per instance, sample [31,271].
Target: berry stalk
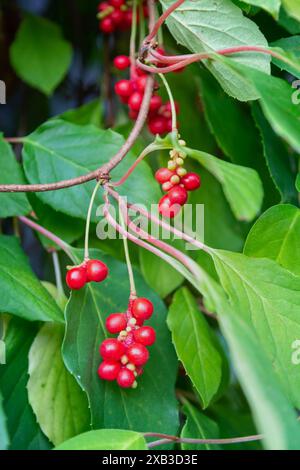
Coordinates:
[88,221]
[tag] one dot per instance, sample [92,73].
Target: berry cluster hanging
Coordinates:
[124,356]
[116,15]
[92,270]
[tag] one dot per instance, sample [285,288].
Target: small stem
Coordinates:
[14,140]
[126,251]
[88,221]
[165,439]
[151,148]
[43,231]
[173,108]
[142,24]
[133,39]
[162,19]
[57,272]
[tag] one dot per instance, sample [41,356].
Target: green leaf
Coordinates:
[22,293]
[298,182]
[267,297]
[291,49]
[105,439]
[271,6]
[273,414]
[89,113]
[167,280]
[11,204]
[290,24]
[198,426]
[191,25]
[237,135]
[4,438]
[152,405]
[292,7]
[60,406]
[61,150]
[39,54]
[24,432]
[277,157]
[196,346]
[242,186]
[276,236]
[276,99]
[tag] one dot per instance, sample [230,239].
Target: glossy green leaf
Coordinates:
[89,113]
[272,6]
[39,54]
[275,418]
[4,438]
[291,49]
[191,25]
[276,236]
[292,8]
[242,186]
[152,405]
[298,182]
[196,346]
[60,406]
[267,297]
[22,293]
[62,150]
[198,426]
[105,439]
[11,204]
[277,157]
[24,432]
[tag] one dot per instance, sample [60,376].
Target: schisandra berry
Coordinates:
[96,270]
[157,125]
[121,62]
[142,309]
[155,103]
[107,25]
[124,88]
[178,195]
[109,370]
[117,3]
[112,349]
[76,278]
[141,83]
[167,209]
[135,101]
[117,17]
[126,378]
[137,354]
[163,175]
[116,322]
[191,181]
[145,335]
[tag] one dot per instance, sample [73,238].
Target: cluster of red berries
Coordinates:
[176,182]
[116,15]
[89,271]
[131,92]
[124,356]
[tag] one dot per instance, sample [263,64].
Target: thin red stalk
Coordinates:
[14,140]
[162,19]
[46,233]
[154,241]
[163,224]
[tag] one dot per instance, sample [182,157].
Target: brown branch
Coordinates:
[166,439]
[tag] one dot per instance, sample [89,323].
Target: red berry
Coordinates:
[76,278]
[117,3]
[116,322]
[96,270]
[107,25]
[127,19]
[145,335]
[142,309]
[125,378]
[191,181]
[140,72]
[103,6]
[169,125]
[163,175]
[133,114]
[167,209]
[141,83]
[121,62]
[155,103]
[137,354]
[117,17]
[111,349]
[109,370]
[123,88]
[157,125]
[135,101]
[178,195]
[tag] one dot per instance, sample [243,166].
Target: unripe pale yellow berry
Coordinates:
[172,165]
[132,321]
[182,155]
[128,329]
[131,367]
[181,171]
[124,360]
[134,385]
[173,153]
[175,179]
[123,334]
[179,161]
[182,142]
